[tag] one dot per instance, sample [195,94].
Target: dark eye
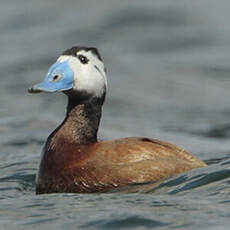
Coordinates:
[83,59]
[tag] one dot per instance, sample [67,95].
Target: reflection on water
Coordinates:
[168,75]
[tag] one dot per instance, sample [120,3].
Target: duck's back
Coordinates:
[143,159]
[101,166]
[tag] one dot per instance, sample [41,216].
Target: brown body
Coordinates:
[101,166]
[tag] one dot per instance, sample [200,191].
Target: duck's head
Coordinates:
[78,71]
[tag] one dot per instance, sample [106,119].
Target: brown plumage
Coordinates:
[101,166]
[74,161]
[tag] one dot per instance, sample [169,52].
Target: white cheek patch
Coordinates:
[87,77]
[94,60]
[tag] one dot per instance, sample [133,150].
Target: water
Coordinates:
[168,74]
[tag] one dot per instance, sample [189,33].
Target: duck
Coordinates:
[73,160]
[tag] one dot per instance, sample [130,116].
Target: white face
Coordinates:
[90,76]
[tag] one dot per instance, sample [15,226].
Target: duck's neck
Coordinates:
[82,120]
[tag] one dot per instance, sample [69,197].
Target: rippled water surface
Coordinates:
[168,68]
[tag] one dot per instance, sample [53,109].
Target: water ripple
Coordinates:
[125,223]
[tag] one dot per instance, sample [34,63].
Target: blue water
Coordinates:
[168,68]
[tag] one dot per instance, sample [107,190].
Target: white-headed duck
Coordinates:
[73,160]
